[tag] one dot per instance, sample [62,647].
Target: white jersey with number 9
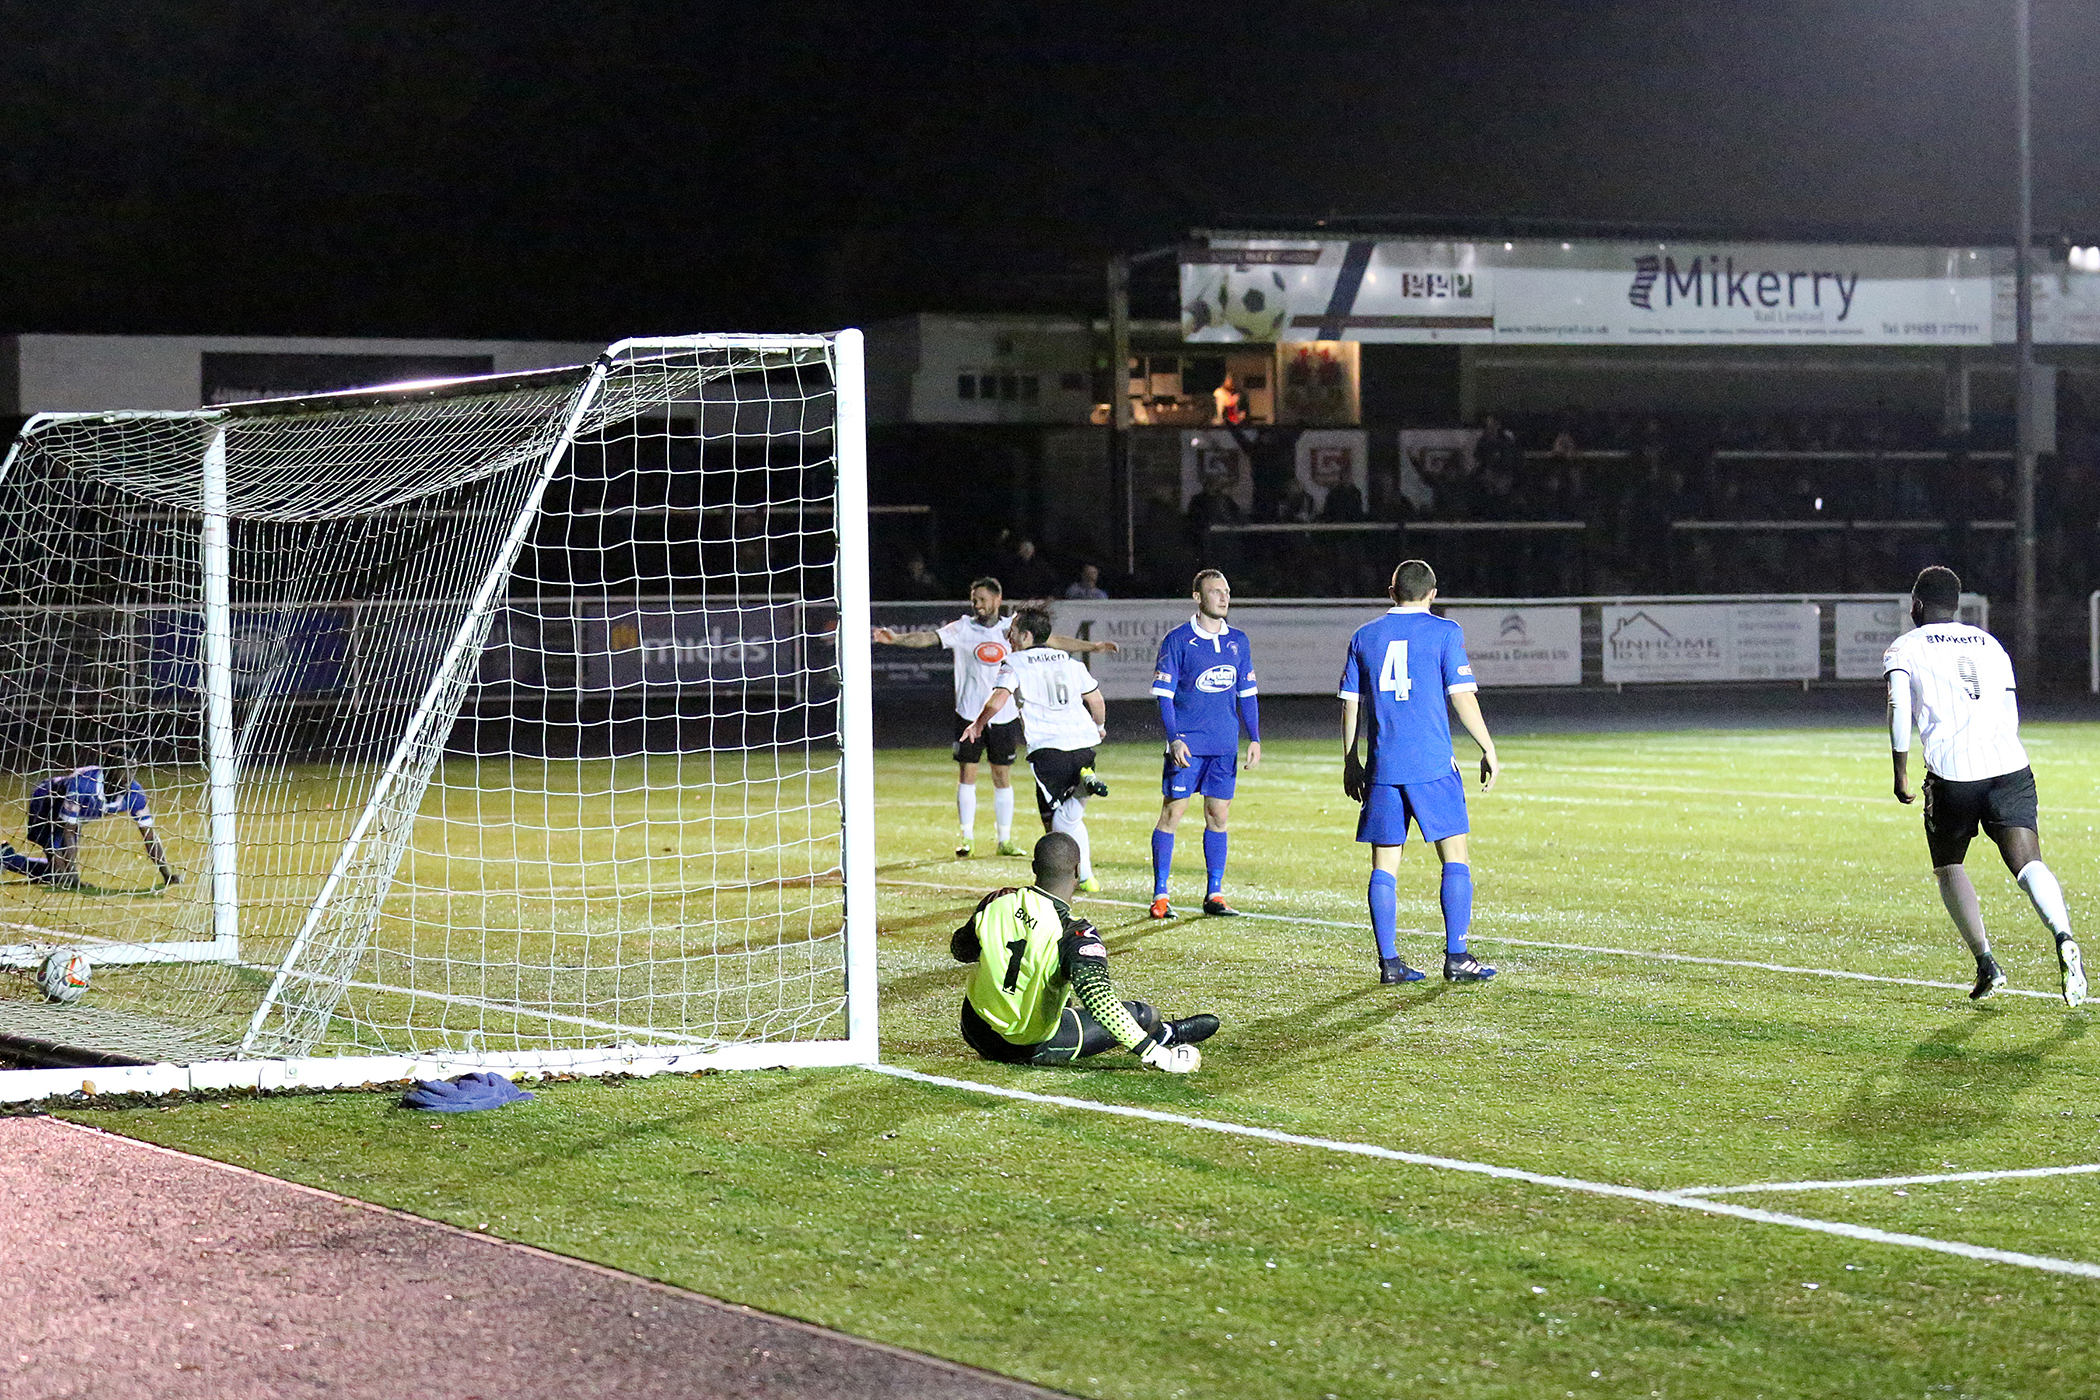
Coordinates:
[1962,694]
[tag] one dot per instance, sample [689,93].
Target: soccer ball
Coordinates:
[1256,303]
[64,975]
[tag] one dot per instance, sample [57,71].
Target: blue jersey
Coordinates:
[1401,667]
[79,796]
[1205,682]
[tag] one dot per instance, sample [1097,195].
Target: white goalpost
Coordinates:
[517,722]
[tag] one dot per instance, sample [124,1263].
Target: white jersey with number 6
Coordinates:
[1048,683]
[1962,694]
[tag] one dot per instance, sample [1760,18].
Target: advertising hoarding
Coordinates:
[669,644]
[1543,292]
[1864,631]
[1648,642]
[1522,645]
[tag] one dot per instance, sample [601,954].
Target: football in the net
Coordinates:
[64,975]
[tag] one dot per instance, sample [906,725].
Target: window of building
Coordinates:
[966,386]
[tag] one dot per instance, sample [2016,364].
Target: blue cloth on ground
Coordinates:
[463,1094]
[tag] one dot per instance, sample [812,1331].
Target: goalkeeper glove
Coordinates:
[1174,1059]
[1352,776]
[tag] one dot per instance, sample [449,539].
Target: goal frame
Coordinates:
[261,1072]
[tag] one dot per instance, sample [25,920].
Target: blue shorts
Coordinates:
[1213,775]
[1438,808]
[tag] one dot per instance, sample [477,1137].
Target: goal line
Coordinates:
[1675,1200]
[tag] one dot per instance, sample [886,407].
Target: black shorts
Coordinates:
[1953,811]
[1057,776]
[1078,1034]
[1000,742]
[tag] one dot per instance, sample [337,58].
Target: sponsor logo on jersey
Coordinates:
[991,653]
[1217,678]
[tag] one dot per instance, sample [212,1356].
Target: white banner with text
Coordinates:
[1535,291]
[1711,642]
[1522,645]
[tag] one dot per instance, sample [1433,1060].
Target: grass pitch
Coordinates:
[1115,1257]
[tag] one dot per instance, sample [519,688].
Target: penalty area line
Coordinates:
[1676,1200]
[2083,1169]
[1839,973]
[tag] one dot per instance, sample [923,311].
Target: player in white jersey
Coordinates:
[978,639]
[1063,717]
[1957,682]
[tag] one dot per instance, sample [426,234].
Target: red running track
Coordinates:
[128,1270]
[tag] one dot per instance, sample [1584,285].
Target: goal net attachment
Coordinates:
[515,722]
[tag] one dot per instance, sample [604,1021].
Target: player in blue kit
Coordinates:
[61,805]
[1408,665]
[1204,679]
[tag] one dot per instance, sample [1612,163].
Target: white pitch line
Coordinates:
[2085,1169]
[1565,1183]
[1567,947]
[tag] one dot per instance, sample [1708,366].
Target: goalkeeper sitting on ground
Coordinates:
[61,805]
[1030,952]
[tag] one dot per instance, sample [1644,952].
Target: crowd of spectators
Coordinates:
[1605,497]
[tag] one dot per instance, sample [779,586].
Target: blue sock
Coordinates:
[14,860]
[1214,859]
[1384,896]
[1162,861]
[1457,895]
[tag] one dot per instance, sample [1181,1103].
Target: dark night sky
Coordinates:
[578,169]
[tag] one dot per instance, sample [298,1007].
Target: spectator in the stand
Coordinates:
[1088,584]
[1344,503]
[1026,574]
[919,581]
[1495,487]
[1228,405]
[1645,542]
[1297,506]
[1564,460]
[1456,478]
[1414,493]
[1499,454]
[1214,504]
[1272,464]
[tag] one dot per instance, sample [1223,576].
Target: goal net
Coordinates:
[513,722]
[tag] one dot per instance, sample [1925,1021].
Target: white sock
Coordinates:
[2048,897]
[1070,818]
[1960,898]
[966,805]
[1003,812]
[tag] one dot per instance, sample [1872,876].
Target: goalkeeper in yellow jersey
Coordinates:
[1032,953]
